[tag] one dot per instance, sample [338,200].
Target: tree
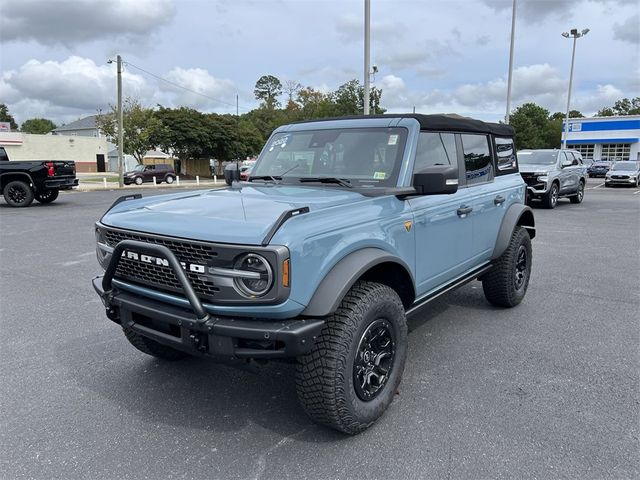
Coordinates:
[291,87]
[622,107]
[532,126]
[5,116]
[349,99]
[268,88]
[37,125]
[183,131]
[140,126]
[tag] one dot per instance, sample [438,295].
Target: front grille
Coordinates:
[620,177]
[530,179]
[159,276]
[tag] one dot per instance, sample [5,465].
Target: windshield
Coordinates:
[138,168]
[366,157]
[628,166]
[541,157]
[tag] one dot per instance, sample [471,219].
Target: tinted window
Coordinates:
[506,153]
[477,159]
[435,149]
[3,155]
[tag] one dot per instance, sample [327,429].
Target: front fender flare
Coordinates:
[517,214]
[335,285]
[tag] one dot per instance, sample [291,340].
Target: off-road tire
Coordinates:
[138,181]
[47,196]
[577,198]
[151,347]
[325,376]
[18,194]
[550,200]
[500,284]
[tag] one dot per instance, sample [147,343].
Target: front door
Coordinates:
[100,162]
[443,231]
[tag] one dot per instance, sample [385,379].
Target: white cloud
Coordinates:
[350,28]
[629,30]
[71,21]
[211,92]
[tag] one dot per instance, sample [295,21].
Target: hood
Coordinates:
[535,168]
[243,215]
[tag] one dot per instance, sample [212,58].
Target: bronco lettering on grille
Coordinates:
[162,262]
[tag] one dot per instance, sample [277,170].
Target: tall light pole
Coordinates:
[575,35]
[513,35]
[367,41]
[120,122]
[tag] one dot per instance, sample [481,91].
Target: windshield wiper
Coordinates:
[273,178]
[343,182]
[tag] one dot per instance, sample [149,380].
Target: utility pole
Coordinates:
[237,107]
[513,35]
[367,41]
[120,128]
[575,34]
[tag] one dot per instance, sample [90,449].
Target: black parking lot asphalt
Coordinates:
[549,389]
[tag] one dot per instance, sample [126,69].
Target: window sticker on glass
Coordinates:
[281,142]
[379,175]
[393,140]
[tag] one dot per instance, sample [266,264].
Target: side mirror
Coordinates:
[566,163]
[437,179]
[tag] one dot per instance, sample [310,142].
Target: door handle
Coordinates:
[498,200]
[463,211]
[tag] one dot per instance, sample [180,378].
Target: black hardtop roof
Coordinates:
[442,122]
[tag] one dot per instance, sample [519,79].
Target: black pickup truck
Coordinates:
[21,182]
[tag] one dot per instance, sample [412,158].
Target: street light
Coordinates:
[575,34]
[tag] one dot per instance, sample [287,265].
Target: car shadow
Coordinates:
[195,393]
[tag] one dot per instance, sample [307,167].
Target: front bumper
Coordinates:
[63,183]
[620,181]
[195,331]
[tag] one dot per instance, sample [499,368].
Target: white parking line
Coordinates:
[597,186]
[636,192]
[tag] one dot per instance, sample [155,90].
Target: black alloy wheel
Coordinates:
[18,194]
[47,196]
[521,268]
[374,360]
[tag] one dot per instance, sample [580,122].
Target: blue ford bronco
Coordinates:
[343,229]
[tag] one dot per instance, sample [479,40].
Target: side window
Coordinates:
[507,162]
[477,158]
[435,149]
[3,155]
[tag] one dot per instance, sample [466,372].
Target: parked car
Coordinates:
[599,168]
[23,181]
[623,173]
[345,227]
[552,174]
[145,173]
[245,171]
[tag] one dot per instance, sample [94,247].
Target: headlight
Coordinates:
[103,250]
[543,178]
[259,275]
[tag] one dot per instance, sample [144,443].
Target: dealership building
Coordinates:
[606,138]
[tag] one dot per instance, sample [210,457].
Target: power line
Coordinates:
[177,85]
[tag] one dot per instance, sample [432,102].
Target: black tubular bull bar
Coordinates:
[174,263]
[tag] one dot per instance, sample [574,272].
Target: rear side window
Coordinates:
[477,159]
[3,155]
[435,148]
[506,159]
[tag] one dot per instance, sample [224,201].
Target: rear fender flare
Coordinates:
[517,215]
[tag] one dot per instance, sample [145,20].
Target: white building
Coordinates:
[606,138]
[89,153]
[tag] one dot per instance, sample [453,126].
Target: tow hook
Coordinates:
[200,341]
[113,314]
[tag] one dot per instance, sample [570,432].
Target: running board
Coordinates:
[422,301]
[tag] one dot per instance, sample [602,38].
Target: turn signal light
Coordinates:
[285,273]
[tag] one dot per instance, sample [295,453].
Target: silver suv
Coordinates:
[551,174]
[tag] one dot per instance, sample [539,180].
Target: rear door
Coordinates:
[443,227]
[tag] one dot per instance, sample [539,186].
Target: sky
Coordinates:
[437,56]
